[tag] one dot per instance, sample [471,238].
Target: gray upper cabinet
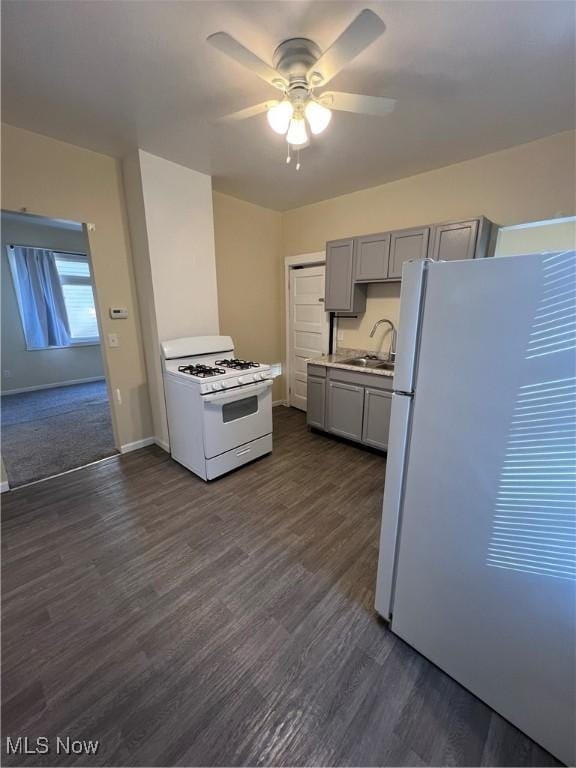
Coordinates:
[353,263]
[372,254]
[376,425]
[407,245]
[316,401]
[345,409]
[454,241]
[341,294]
[457,240]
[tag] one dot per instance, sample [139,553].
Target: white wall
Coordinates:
[31,369]
[180,227]
[172,229]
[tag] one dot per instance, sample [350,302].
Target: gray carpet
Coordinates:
[53,430]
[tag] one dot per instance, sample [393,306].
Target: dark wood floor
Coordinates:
[230,623]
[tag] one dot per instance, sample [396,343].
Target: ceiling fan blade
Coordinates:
[361,33]
[243,114]
[235,50]
[355,102]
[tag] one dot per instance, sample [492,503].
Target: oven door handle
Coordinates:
[238,393]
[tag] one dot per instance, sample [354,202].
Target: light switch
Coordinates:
[113,340]
[340,335]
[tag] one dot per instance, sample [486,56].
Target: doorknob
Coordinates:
[322,300]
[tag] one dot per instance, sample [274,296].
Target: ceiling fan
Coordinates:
[300,71]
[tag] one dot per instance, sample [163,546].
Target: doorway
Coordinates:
[307,322]
[55,411]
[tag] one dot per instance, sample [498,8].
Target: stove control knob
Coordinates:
[243,379]
[217,385]
[257,376]
[207,387]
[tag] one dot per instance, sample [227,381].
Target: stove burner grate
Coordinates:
[202,371]
[238,365]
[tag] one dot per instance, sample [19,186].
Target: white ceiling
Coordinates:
[470,76]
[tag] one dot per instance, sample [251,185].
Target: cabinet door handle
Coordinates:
[321,300]
[349,387]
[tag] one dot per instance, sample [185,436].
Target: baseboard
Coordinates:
[4,486]
[144,443]
[127,447]
[278,402]
[38,387]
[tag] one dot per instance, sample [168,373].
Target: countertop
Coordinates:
[335,361]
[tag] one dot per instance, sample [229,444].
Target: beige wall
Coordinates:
[550,236]
[529,182]
[28,369]
[58,180]
[249,267]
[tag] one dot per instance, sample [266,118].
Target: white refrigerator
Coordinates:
[477,560]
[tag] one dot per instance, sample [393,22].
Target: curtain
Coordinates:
[40,297]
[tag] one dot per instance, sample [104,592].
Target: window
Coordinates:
[55,297]
[76,281]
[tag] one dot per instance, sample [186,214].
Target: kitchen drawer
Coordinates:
[238,456]
[317,370]
[373,380]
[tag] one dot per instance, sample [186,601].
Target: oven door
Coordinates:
[236,417]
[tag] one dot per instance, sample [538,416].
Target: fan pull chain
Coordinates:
[289,157]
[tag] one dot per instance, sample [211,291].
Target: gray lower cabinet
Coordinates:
[345,409]
[316,406]
[349,404]
[342,294]
[407,245]
[376,424]
[372,254]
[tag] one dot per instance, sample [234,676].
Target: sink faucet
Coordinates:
[392,350]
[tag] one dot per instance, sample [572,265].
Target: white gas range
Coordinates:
[219,408]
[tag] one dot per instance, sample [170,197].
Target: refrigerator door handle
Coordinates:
[392,504]
[411,295]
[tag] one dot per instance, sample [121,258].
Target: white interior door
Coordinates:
[308,334]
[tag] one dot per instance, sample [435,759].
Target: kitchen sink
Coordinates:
[370,362]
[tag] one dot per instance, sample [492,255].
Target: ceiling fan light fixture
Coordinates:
[297,135]
[318,116]
[279,116]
